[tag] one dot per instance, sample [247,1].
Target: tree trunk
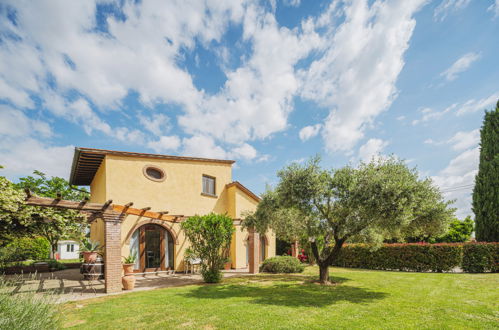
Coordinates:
[323,273]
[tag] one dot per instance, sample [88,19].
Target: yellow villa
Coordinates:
[159,187]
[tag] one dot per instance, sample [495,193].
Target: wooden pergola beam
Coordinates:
[143,213]
[65,204]
[95,209]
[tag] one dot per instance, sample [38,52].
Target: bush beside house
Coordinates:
[282,264]
[471,257]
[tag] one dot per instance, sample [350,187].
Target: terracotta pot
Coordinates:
[128,282]
[128,269]
[227,266]
[90,257]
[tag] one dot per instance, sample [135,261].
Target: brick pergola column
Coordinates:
[112,242]
[254,250]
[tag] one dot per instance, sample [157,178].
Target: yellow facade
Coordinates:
[122,179]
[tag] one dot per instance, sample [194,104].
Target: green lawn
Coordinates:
[361,299]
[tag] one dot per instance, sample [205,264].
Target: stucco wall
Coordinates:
[180,193]
[98,195]
[122,180]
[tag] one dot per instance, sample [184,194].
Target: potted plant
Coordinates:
[128,280]
[227,264]
[90,249]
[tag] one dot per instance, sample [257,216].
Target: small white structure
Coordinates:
[68,249]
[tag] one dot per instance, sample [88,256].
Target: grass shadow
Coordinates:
[285,290]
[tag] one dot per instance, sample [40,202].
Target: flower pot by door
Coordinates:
[128,282]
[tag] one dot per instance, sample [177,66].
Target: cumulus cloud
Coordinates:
[494,8]
[15,123]
[464,140]
[371,149]
[449,6]
[356,76]
[309,132]
[457,179]
[257,97]
[22,150]
[202,146]
[157,124]
[31,154]
[460,65]
[94,65]
[165,144]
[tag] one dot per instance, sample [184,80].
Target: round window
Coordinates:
[154,173]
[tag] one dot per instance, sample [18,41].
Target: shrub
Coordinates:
[26,310]
[407,257]
[210,236]
[282,264]
[25,248]
[481,257]
[211,276]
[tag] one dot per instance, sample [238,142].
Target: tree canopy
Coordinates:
[459,231]
[326,208]
[486,190]
[19,219]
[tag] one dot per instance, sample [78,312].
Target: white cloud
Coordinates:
[457,180]
[15,123]
[202,146]
[257,97]
[31,154]
[22,150]
[309,132]
[430,115]
[400,118]
[165,144]
[157,124]
[245,151]
[448,6]
[461,65]
[473,105]
[292,3]
[464,140]
[371,149]
[362,59]
[494,8]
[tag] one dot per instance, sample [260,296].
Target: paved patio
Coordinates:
[70,285]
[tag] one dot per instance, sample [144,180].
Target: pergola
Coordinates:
[113,215]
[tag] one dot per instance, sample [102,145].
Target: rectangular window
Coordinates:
[70,248]
[208,185]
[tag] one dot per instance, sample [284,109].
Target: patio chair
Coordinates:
[191,265]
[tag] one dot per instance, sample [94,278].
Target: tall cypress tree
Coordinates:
[486,191]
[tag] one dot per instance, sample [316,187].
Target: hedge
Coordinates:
[282,264]
[481,257]
[422,257]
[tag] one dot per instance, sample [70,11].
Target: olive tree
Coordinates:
[210,236]
[326,208]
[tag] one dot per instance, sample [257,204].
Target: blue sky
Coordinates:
[263,82]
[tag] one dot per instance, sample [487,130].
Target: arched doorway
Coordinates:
[154,247]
